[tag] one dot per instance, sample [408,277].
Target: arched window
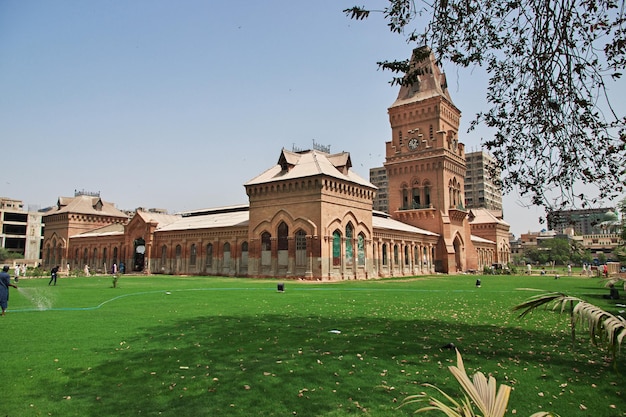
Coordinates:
[266,249]
[163,255]
[417,201]
[407,258]
[179,252]
[396,255]
[300,248]
[192,255]
[427,201]
[54,252]
[244,255]
[209,255]
[283,233]
[360,250]
[86,257]
[226,255]
[336,248]
[104,258]
[283,244]
[405,198]
[349,244]
[266,241]
[94,260]
[115,255]
[385,255]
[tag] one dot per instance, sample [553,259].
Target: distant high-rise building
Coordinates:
[378,177]
[481,190]
[582,222]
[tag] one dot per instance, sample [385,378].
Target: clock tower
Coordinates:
[425,164]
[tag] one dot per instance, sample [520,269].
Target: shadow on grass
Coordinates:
[273,365]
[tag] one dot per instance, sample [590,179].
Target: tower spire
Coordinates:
[424,79]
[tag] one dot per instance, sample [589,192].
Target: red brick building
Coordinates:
[310,215]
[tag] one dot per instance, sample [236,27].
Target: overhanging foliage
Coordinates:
[551,67]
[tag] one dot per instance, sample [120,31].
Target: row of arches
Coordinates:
[278,247]
[417,196]
[455,193]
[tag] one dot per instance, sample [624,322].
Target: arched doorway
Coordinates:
[139,254]
[458,255]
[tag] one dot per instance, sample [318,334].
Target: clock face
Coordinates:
[413,143]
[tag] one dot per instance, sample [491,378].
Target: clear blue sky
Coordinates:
[176,104]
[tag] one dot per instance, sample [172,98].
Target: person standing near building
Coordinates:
[16,273]
[5,283]
[53,275]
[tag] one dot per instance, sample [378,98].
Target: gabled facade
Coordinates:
[72,216]
[484,224]
[302,211]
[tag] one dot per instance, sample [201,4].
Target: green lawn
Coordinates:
[205,346]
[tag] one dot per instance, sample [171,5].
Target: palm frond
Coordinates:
[479,391]
[593,316]
[615,280]
[453,409]
[615,330]
[602,325]
[543,300]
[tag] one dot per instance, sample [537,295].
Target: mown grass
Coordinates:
[206,346]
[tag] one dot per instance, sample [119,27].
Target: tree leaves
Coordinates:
[549,64]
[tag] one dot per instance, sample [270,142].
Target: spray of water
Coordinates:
[38,297]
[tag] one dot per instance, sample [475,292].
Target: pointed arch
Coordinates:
[427,187]
[459,252]
[349,251]
[294,223]
[337,248]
